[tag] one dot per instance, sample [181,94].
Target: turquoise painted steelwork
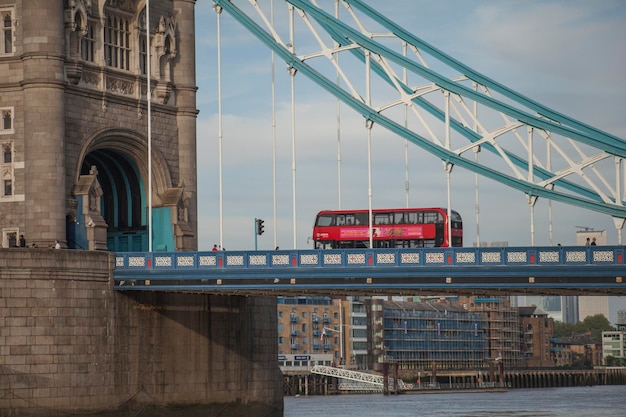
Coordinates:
[610,140]
[547,120]
[545,270]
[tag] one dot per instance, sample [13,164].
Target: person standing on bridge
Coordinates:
[593,242]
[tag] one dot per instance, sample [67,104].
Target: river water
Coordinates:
[597,401]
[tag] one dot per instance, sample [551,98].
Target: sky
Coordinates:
[566,54]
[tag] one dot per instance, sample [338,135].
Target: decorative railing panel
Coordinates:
[546,270]
[380,257]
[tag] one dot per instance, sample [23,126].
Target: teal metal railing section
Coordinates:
[487,256]
[596,269]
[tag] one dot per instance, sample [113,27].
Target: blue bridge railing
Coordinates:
[391,271]
[501,256]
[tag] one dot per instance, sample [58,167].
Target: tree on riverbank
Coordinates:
[593,325]
[613,361]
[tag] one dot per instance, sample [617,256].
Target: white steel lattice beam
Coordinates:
[361,377]
[577,165]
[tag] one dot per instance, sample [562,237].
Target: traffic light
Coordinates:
[259,226]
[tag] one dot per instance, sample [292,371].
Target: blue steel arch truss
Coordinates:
[457,110]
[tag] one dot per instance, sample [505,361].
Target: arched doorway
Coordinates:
[109,205]
[123,199]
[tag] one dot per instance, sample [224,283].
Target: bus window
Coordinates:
[378,244]
[324,245]
[399,218]
[381,218]
[415,217]
[362,218]
[404,243]
[457,222]
[430,217]
[340,219]
[325,220]
[351,244]
[350,219]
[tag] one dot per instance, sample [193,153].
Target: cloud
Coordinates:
[564,54]
[558,39]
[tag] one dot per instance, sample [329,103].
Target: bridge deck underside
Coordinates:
[528,280]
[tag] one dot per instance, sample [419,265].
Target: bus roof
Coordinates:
[387,210]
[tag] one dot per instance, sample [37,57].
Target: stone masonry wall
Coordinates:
[86,118]
[71,344]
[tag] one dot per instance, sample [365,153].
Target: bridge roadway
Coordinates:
[576,270]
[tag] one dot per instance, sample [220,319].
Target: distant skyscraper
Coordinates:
[569,305]
[607,305]
[592,305]
[559,307]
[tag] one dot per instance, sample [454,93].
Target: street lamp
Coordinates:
[341,352]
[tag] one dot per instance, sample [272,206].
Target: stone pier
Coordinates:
[70,344]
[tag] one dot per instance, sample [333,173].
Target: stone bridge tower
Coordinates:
[74,128]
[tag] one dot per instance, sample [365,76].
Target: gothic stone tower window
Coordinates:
[6,125]
[7,169]
[6,34]
[8,188]
[6,161]
[117,42]
[143,43]
[7,153]
[88,43]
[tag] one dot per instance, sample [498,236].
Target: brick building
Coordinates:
[580,351]
[537,330]
[311,325]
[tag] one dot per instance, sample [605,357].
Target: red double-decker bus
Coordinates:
[391,228]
